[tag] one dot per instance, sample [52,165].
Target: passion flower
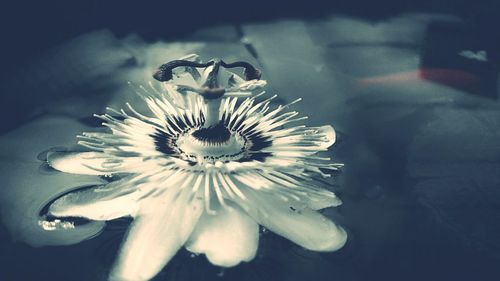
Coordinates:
[203,171]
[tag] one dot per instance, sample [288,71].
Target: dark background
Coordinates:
[29,27]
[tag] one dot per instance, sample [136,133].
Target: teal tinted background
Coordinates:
[417,121]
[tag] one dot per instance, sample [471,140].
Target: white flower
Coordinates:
[203,171]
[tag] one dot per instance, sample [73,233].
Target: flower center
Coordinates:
[208,145]
[215,134]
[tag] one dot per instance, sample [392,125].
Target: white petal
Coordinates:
[84,163]
[329,134]
[299,196]
[226,238]
[161,227]
[316,202]
[100,203]
[305,227]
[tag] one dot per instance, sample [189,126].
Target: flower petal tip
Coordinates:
[95,203]
[335,202]
[338,238]
[227,239]
[327,202]
[330,135]
[216,258]
[74,162]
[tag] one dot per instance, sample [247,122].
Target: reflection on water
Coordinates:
[421,153]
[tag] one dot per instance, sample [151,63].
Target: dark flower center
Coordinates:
[213,135]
